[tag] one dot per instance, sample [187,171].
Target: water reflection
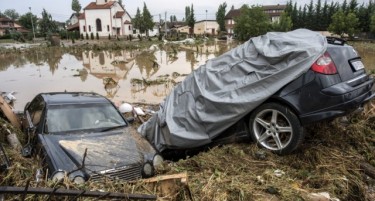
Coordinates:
[106,72]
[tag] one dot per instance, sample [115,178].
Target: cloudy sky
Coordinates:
[61,9]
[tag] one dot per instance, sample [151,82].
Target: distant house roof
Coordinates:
[74,15]
[127,22]
[205,21]
[119,14]
[93,5]
[81,16]
[232,14]
[73,27]
[274,7]
[5,19]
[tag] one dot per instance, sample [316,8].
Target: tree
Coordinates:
[187,13]
[147,21]
[46,24]
[343,24]
[220,15]
[25,20]
[137,21]
[120,2]
[372,23]
[191,19]
[251,22]
[76,6]
[285,23]
[11,13]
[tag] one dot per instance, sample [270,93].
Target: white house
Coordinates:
[105,17]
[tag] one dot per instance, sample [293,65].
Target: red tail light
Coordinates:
[324,65]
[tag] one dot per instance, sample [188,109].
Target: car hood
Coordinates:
[105,150]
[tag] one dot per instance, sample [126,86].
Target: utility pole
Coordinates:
[32,23]
[205,29]
[165,24]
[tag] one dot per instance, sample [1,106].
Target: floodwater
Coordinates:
[117,75]
[123,76]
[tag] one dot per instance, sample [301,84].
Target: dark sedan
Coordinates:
[84,136]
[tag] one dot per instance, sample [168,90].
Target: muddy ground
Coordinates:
[330,161]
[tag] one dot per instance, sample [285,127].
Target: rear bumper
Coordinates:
[352,98]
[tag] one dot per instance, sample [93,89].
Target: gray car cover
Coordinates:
[225,89]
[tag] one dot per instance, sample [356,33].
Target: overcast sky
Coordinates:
[61,9]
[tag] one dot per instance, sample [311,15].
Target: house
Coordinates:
[7,24]
[273,11]
[206,27]
[105,17]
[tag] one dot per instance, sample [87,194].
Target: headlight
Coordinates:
[59,175]
[79,180]
[147,170]
[157,161]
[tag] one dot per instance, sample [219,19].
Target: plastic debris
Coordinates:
[278,173]
[139,111]
[125,107]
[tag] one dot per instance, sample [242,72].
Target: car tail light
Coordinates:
[324,65]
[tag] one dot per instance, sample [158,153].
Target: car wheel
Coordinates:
[275,127]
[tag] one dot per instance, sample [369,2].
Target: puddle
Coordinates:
[131,76]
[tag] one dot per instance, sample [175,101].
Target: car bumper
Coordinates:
[353,98]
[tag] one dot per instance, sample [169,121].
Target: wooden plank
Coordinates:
[182,177]
[9,114]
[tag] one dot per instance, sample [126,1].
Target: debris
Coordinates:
[272,190]
[7,110]
[368,169]
[322,196]
[12,138]
[10,96]
[4,160]
[139,111]
[260,155]
[278,173]
[125,107]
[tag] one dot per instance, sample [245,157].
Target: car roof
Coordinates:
[73,97]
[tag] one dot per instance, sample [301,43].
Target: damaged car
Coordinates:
[276,83]
[84,137]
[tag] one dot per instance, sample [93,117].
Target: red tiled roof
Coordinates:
[232,14]
[93,5]
[119,14]
[81,16]
[274,7]
[5,19]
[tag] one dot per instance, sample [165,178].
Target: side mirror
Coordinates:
[26,106]
[130,119]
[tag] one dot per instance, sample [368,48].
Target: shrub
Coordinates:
[97,36]
[87,36]
[92,36]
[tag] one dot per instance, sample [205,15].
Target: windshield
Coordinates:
[75,117]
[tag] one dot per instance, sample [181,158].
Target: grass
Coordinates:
[328,161]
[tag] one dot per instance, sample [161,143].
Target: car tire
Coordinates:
[276,127]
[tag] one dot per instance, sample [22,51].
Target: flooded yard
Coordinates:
[145,76]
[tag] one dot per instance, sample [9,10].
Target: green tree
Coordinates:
[120,2]
[137,21]
[310,16]
[25,20]
[318,16]
[251,22]
[343,24]
[285,23]
[344,6]
[191,19]
[2,14]
[76,6]
[372,24]
[220,15]
[46,24]
[187,13]
[11,13]
[147,21]
[353,6]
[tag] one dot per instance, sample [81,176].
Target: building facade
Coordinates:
[105,17]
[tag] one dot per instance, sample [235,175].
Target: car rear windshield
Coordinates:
[77,117]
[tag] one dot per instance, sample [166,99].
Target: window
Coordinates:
[89,28]
[98,25]
[35,110]
[108,28]
[130,27]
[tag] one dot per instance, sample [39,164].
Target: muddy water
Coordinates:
[112,74]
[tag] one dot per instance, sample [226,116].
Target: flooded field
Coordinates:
[145,76]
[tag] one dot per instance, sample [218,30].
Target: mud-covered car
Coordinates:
[84,136]
[276,83]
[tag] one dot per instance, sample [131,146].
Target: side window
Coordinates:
[36,109]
